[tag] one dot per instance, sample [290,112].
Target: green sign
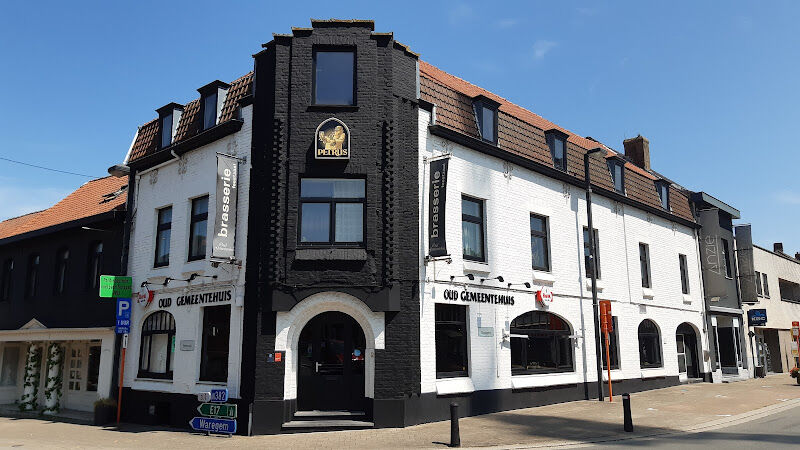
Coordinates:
[112,286]
[226,410]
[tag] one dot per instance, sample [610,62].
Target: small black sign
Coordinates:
[437,245]
[332,140]
[757,317]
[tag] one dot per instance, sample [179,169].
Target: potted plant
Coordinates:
[795,373]
[105,411]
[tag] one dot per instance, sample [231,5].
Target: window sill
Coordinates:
[656,372]
[477,266]
[648,293]
[543,379]
[212,383]
[448,386]
[616,374]
[332,108]
[687,299]
[158,380]
[330,254]
[543,277]
[600,285]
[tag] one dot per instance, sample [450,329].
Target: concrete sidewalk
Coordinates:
[672,410]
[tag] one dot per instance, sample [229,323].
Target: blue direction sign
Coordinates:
[210,425]
[123,316]
[219,395]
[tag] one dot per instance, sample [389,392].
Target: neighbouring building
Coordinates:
[57,342]
[770,318]
[189,171]
[723,300]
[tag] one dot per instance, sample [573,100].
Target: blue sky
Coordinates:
[712,85]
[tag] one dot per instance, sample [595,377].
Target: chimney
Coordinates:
[638,151]
[797,256]
[778,247]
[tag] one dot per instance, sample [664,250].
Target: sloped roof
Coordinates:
[521,132]
[191,123]
[93,198]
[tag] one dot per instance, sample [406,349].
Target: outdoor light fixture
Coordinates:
[469,275]
[498,278]
[527,285]
[197,275]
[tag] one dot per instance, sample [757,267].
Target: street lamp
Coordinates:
[593,267]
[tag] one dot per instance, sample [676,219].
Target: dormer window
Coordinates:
[486,118]
[169,116]
[617,168]
[212,97]
[662,187]
[557,141]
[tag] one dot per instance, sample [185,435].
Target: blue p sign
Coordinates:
[123,316]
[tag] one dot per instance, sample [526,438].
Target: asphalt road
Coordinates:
[780,430]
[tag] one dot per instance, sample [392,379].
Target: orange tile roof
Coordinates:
[94,197]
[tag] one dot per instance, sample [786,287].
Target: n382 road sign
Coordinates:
[223,410]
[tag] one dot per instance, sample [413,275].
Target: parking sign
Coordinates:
[123,316]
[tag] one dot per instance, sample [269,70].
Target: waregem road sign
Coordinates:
[123,316]
[115,286]
[222,410]
[213,425]
[219,395]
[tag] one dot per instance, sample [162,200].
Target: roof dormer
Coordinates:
[212,97]
[169,116]
[486,117]
[662,187]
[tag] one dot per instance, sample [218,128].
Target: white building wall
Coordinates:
[511,194]
[176,183]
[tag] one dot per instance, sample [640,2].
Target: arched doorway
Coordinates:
[686,342]
[331,360]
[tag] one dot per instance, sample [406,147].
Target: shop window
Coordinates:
[62,271]
[334,77]
[451,341]
[5,279]
[166,130]
[198,229]
[726,255]
[331,211]
[163,235]
[649,345]
[644,264]
[587,261]
[93,368]
[684,265]
[486,116]
[472,225]
[766,285]
[216,331]
[617,169]
[32,279]
[540,343]
[613,345]
[540,243]
[10,366]
[557,142]
[662,187]
[157,349]
[95,266]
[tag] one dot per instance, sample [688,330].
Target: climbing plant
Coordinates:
[53,385]
[33,375]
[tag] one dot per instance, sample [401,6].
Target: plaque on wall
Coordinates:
[332,140]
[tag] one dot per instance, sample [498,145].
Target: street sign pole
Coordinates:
[608,367]
[121,375]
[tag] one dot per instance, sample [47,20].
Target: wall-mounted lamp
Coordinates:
[197,275]
[498,278]
[470,276]
[526,284]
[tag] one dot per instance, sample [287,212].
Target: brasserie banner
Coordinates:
[744,256]
[225,213]
[437,246]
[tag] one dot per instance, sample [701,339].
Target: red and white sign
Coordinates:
[795,328]
[544,295]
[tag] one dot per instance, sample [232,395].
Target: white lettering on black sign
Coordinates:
[437,245]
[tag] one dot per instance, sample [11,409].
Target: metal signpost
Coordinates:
[796,336]
[123,327]
[220,417]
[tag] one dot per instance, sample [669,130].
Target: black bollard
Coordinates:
[455,438]
[626,406]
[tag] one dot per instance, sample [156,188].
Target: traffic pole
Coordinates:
[608,367]
[121,375]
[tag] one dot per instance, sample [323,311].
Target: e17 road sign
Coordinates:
[221,410]
[213,425]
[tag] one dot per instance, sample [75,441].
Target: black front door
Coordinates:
[331,352]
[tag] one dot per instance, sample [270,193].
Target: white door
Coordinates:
[81,367]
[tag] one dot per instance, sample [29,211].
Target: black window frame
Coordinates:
[331,202]
[166,325]
[479,105]
[559,337]
[759,290]
[61,271]
[726,255]
[545,236]
[32,275]
[160,228]
[655,333]
[765,285]
[644,265]
[166,131]
[613,164]
[683,264]
[94,268]
[550,137]
[455,320]
[662,189]
[195,218]
[205,368]
[596,252]
[613,346]
[204,108]
[789,291]
[333,49]
[7,279]
[481,221]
